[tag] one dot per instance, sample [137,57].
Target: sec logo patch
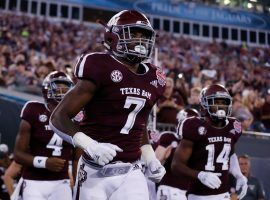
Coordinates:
[42,118]
[201,130]
[116,76]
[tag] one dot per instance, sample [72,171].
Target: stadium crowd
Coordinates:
[30,48]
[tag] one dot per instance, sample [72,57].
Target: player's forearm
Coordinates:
[145,139]
[234,166]
[180,168]
[63,123]
[23,158]
[160,154]
[8,180]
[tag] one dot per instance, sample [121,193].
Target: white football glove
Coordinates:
[210,179]
[155,171]
[241,185]
[101,153]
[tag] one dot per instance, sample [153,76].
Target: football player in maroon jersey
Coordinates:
[206,152]
[117,90]
[172,187]
[43,154]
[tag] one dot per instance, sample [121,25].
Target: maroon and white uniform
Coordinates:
[169,179]
[211,151]
[119,110]
[44,142]
[171,187]
[116,114]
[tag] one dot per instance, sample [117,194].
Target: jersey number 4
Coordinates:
[55,144]
[139,102]
[222,158]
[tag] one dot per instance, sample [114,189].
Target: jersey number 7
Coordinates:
[139,102]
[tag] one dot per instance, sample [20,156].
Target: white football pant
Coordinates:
[170,193]
[46,190]
[152,189]
[90,185]
[223,196]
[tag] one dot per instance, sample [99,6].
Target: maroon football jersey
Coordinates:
[181,181]
[211,150]
[119,110]
[44,142]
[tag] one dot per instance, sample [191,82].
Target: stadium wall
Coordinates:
[11,103]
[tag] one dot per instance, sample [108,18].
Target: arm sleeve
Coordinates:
[27,112]
[87,68]
[234,166]
[187,130]
[164,140]
[238,132]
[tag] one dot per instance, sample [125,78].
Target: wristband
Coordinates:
[40,161]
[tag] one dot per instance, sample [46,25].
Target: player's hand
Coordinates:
[155,171]
[55,164]
[241,185]
[210,179]
[103,153]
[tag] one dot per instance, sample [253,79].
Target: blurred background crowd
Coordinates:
[31,47]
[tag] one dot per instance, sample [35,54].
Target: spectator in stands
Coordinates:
[181,89]
[265,111]
[241,112]
[255,190]
[193,99]
[41,45]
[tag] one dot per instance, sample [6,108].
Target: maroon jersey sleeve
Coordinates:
[238,129]
[26,112]
[166,139]
[237,126]
[87,68]
[188,129]
[161,80]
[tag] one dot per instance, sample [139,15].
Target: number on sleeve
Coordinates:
[139,102]
[55,144]
[223,157]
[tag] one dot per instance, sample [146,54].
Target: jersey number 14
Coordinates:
[222,158]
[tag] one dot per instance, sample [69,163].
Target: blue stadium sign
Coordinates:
[189,11]
[209,14]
